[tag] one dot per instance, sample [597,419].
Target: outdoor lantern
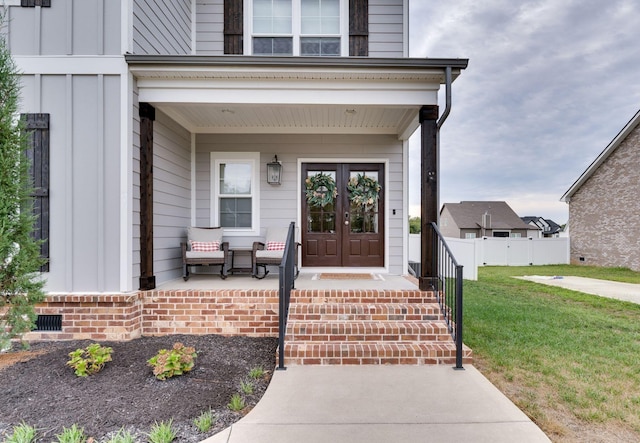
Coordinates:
[274,172]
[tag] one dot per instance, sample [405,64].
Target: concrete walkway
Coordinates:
[382,404]
[604,288]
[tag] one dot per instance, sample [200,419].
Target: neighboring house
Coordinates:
[150,116]
[548,228]
[476,219]
[604,208]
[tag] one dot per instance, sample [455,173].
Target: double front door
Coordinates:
[343,214]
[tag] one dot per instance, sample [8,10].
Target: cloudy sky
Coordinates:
[549,84]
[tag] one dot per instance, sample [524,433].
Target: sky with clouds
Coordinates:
[549,84]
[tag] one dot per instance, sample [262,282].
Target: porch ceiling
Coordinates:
[291,95]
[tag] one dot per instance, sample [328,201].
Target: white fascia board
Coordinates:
[289,96]
[288,130]
[66,64]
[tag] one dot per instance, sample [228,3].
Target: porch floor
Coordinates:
[308,279]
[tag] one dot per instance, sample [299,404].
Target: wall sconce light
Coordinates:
[274,172]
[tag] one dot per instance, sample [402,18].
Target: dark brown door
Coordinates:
[343,214]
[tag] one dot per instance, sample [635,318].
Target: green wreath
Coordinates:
[320,189]
[363,190]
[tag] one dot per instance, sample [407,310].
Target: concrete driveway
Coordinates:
[605,288]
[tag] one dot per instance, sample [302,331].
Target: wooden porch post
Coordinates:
[147,116]
[428,194]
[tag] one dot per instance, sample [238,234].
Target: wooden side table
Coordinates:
[240,252]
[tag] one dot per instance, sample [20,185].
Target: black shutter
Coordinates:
[358,28]
[38,153]
[233,26]
[34,3]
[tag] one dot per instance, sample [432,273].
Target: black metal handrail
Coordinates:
[287,274]
[449,290]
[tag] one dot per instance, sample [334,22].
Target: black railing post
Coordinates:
[286,276]
[459,312]
[447,277]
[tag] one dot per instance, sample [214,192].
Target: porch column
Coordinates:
[428,194]
[147,116]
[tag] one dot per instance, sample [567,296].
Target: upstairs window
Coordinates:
[298,27]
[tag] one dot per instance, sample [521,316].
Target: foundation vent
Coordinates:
[49,323]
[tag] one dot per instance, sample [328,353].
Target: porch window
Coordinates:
[235,199]
[298,27]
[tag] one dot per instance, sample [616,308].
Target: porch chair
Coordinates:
[270,252]
[204,246]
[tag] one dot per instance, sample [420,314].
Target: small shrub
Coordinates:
[237,403]
[90,360]
[123,436]
[177,361]
[162,432]
[246,387]
[74,434]
[205,420]
[23,433]
[256,372]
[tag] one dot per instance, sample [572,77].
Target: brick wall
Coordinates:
[94,316]
[253,313]
[128,316]
[604,214]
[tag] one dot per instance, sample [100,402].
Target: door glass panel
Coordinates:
[364,191]
[320,192]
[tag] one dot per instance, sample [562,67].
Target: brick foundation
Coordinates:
[325,326]
[117,317]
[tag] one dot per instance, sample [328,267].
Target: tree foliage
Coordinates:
[414,225]
[20,284]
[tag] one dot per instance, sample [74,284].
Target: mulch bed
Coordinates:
[39,389]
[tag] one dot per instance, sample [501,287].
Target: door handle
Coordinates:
[346,218]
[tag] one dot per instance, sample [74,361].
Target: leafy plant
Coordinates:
[74,434]
[122,436]
[21,287]
[237,403]
[205,420]
[256,372]
[246,387]
[90,360]
[162,432]
[177,361]
[22,433]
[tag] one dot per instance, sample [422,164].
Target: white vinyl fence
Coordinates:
[493,251]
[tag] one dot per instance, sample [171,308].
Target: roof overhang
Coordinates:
[245,94]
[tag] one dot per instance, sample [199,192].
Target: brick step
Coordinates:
[365,296]
[367,331]
[364,312]
[303,353]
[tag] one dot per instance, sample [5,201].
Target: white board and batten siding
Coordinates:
[162,27]
[68,27]
[281,204]
[60,51]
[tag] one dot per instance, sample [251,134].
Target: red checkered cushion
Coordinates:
[205,246]
[275,246]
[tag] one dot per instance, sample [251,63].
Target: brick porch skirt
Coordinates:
[117,317]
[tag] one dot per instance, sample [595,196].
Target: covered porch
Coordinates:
[337,117]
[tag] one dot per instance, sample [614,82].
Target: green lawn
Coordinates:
[561,356]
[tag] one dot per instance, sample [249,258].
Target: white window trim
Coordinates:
[224,157]
[295,27]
